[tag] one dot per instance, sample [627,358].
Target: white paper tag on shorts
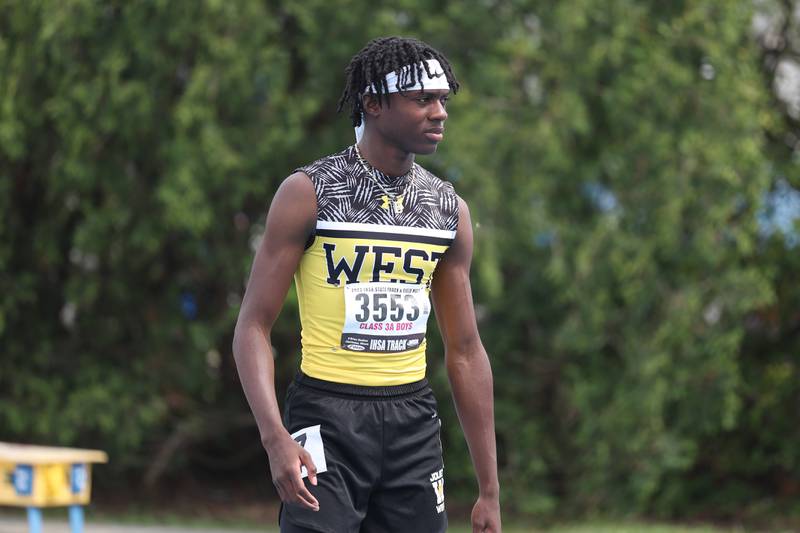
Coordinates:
[311,439]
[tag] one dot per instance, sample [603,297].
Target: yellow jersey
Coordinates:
[364,280]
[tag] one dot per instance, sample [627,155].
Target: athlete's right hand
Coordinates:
[286,456]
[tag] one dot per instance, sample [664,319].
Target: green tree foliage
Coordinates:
[626,169]
[758,458]
[614,158]
[138,141]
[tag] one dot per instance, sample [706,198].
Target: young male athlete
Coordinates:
[368,234]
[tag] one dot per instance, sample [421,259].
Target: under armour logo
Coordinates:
[396,204]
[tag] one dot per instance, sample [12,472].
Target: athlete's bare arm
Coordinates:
[290,221]
[468,369]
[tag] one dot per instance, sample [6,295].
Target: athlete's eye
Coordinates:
[428,99]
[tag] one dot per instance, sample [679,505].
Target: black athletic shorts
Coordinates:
[378,457]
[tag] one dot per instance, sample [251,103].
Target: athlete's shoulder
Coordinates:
[336,166]
[431,181]
[442,194]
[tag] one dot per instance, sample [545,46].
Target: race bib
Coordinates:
[384,317]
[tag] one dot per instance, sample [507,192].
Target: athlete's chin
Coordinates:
[426,148]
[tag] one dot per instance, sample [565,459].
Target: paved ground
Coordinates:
[12,525]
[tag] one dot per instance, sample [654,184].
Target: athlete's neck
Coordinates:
[389,159]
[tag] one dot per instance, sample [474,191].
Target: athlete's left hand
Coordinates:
[486,515]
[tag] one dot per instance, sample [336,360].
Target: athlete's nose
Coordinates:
[438,112]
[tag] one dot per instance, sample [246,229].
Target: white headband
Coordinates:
[437,80]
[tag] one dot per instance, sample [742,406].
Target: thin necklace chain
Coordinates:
[396,207]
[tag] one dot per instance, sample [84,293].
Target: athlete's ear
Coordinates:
[371,105]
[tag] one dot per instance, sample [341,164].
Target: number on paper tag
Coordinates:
[310,438]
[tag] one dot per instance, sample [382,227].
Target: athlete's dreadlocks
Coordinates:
[381,56]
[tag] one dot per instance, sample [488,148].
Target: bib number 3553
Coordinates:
[384,317]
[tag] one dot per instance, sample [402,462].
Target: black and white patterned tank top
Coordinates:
[363,282]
